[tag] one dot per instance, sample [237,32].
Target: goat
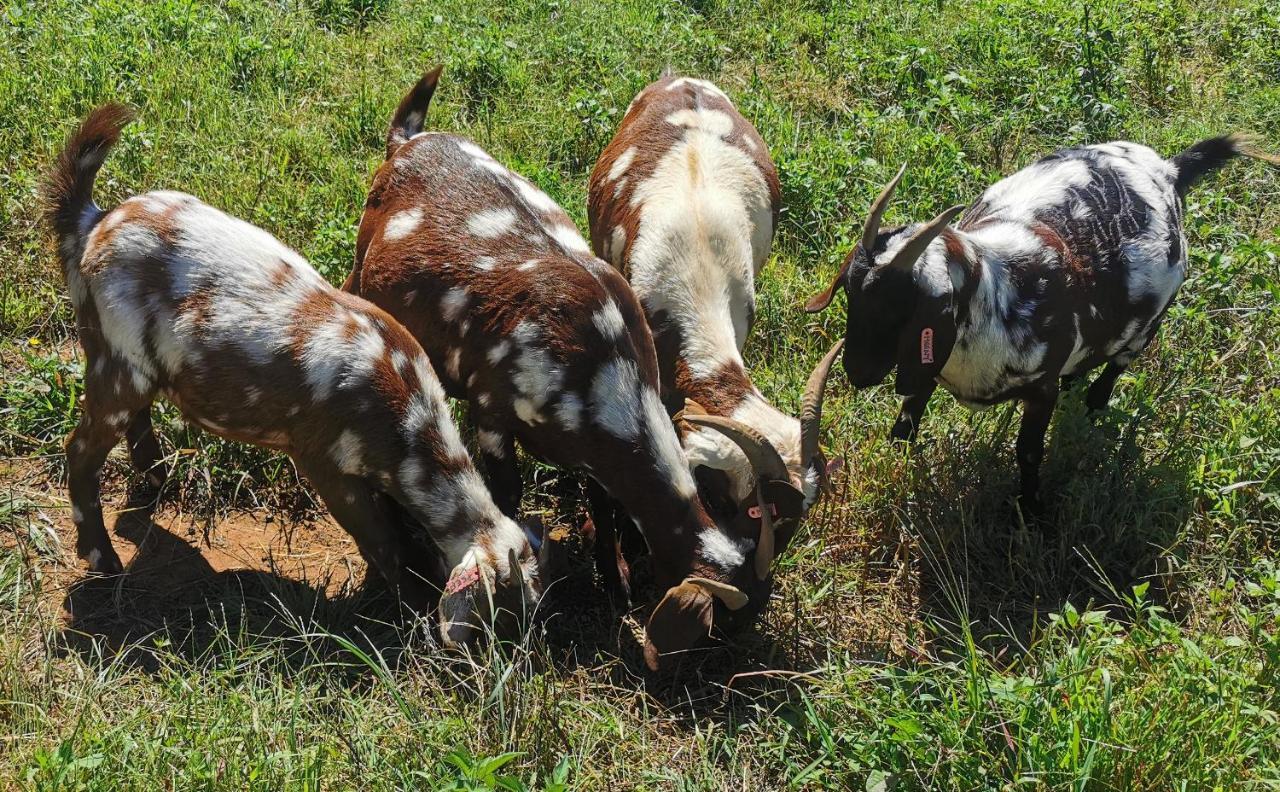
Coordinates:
[174,298]
[1067,264]
[683,201]
[548,345]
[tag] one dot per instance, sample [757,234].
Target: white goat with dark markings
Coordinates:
[173,298]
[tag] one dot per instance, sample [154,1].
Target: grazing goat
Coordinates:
[547,345]
[1067,264]
[173,298]
[683,201]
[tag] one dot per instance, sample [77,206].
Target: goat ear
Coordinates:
[460,608]
[682,618]
[820,301]
[925,343]
[412,111]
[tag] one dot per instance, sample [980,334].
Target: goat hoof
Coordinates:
[903,431]
[101,563]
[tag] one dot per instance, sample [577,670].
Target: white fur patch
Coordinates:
[346,452]
[714,122]
[492,223]
[474,151]
[614,403]
[569,238]
[498,351]
[569,412]
[608,320]
[402,224]
[720,549]
[703,85]
[621,164]
[492,443]
[617,245]
[665,445]
[536,198]
[537,376]
[452,303]
[705,225]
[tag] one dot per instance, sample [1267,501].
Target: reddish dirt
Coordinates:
[167,550]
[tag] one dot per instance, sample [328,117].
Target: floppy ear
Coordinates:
[821,300]
[926,342]
[682,618]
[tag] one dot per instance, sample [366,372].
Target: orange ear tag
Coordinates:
[926,345]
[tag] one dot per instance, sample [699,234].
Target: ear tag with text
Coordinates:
[926,345]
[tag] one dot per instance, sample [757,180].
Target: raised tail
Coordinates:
[412,112]
[67,191]
[1209,155]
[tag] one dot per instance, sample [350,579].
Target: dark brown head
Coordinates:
[898,314]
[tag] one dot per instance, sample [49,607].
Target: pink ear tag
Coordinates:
[460,581]
[926,345]
[754,511]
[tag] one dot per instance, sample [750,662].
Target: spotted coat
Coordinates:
[684,200]
[173,298]
[1066,265]
[545,343]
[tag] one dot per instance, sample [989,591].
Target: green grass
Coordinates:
[918,641]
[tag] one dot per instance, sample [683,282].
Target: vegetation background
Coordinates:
[921,636]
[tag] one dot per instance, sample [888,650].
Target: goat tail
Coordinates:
[412,111]
[1209,155]
[67,190]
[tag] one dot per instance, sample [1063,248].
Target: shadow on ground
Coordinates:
[1112,517]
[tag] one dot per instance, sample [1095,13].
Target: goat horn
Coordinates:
[874,216]
[514,573]
[691,407]
[765,460]
[811,405]
[731,596]
[764,547]
[906,258]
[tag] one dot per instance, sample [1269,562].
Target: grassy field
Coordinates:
[919,638]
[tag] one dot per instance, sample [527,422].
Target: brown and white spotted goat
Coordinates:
[1067,264]
[547,345]
[173,298]
[683,201]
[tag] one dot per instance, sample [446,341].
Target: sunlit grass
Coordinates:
[921,637]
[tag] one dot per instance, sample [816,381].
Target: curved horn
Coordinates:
[764,458]
[872,228]
[764,547]
[731,596]
[811,405]
[906,258]
[691,407]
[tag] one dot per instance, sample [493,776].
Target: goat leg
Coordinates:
[909,416]
[1037,410]
[144,449]
[607,547]
[1099,395]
